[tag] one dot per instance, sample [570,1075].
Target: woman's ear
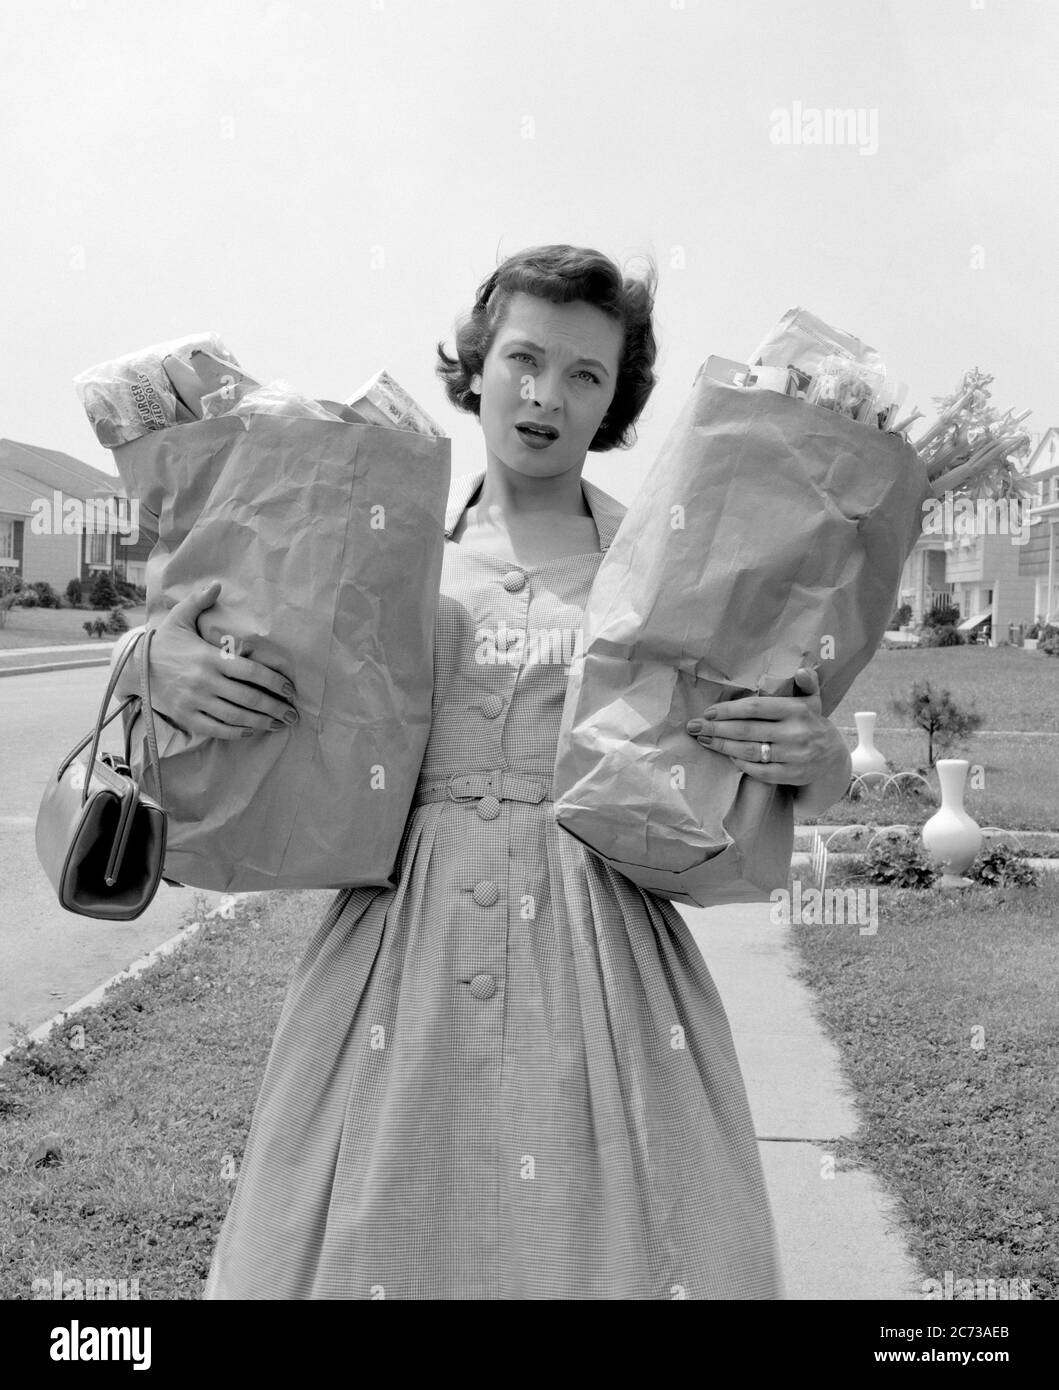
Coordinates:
[476,384]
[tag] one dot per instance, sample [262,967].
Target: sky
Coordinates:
[325,183]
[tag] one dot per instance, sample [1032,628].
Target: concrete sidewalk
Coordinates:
[837,1234]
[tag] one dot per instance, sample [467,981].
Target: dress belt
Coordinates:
[504,785]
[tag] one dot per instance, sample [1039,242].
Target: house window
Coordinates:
[7,540]
[1054,488]
[97,546]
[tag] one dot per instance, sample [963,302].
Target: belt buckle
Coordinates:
[491,781]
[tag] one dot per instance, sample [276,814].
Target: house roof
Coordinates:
[29,466]
[1045,457]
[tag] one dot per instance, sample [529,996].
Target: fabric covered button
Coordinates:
[483,986]
[486,893]
[492,705]
[513,581]
[488,808]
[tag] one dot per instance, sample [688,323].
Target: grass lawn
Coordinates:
[1019,784]
[151,1113]
[961,1125]
[57,627]
[1010,687]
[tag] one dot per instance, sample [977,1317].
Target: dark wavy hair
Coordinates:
[562,275]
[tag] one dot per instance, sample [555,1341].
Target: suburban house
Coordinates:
[999,568]
[62,519]
[1038,558]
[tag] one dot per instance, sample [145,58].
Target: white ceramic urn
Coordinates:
[866,760]
[950,836]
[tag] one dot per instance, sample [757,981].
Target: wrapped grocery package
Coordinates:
[327,538]
[133,395]
[768,535]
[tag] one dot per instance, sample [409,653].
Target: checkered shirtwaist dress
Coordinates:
[510,1076]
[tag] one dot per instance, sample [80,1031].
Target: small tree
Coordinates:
[938,715]
[74,593]
[117,621]
[104,594]
[902,615]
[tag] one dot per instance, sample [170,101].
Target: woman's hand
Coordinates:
[203,691]
[802,748]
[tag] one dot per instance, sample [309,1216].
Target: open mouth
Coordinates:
[537,436]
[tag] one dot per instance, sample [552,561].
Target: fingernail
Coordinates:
[277,724]
[291,716]
[288,691]
[694,725]
[709,713]
[248,733]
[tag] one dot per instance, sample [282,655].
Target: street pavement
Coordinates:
[50,958]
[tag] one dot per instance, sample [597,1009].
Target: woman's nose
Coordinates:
[546,391]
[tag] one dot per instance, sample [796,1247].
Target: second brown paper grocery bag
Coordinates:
[769,534]
[327,539]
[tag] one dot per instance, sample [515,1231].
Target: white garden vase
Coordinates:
[951,837]
[867,761]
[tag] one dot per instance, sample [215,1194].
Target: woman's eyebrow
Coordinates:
[536,347]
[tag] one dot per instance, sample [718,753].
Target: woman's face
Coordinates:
[550,365]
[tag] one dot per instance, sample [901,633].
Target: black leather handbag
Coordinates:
[101,838]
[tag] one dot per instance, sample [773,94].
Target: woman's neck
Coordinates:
[511,493]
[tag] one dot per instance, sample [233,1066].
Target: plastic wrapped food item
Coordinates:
[381,401]
[845,387]
[802,340]
[273,398]
[133,395]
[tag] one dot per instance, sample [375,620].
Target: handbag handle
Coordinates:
[148,715]
[101,723]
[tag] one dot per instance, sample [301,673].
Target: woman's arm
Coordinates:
[200,690]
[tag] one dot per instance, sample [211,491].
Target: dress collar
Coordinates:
[607,511]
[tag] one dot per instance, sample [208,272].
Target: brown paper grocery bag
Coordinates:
[769,534]
[327,539]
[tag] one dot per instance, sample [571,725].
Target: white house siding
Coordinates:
[54,558]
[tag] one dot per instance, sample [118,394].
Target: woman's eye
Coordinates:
[523,354]
[591,375]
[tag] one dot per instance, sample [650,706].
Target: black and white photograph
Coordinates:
[529,667]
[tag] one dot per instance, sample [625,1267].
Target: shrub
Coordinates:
[938,715]
[10,585]
[117,621]
[28,598]
[945,615]
[104,594]
[126,590]
[1050,644]
[945,636]
[74,593]
[1000,866]
[1033,631]
[96,627]
[901,616]
[899,863]
[46,595]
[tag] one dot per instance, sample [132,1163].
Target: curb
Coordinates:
[95,996]
[57,666]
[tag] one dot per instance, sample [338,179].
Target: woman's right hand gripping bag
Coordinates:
[769,534]
[327,538]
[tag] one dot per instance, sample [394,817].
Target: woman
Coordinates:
[476,1089]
